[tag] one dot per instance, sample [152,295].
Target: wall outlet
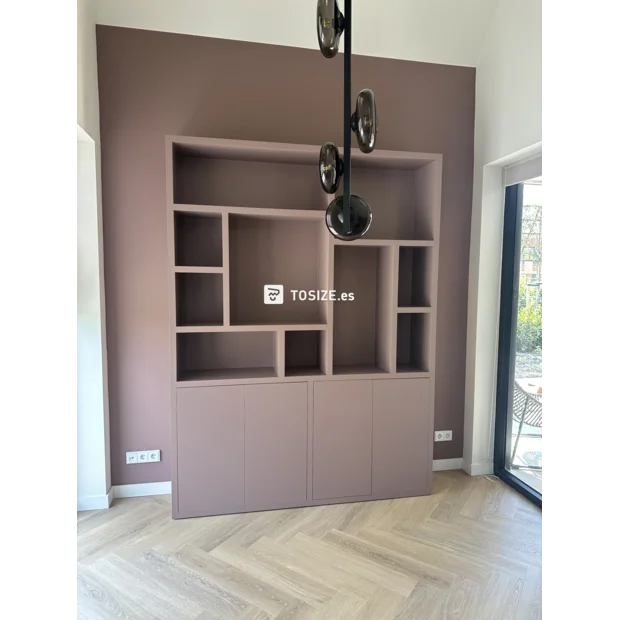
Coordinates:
[143,456]
[443,435]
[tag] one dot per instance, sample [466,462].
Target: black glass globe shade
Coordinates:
[329,26]
[364,120]
[361,217]
[331,167]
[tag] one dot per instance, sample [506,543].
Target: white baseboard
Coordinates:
[165,488]
[479,469]
[447,464]
[142,489]
[95,502]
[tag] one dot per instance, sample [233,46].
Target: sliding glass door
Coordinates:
[518,427]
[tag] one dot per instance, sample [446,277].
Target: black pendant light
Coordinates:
[348,217]
[331,167]
[359,219]
[364,120]
[329,26]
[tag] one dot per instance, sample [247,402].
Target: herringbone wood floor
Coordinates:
[471,550]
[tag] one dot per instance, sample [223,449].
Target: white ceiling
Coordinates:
[438,31]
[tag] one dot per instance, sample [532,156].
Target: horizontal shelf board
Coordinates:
[292,379]
[196,328]
[274,214]
[413,309]
[227,373]
[381,243]
[411,369]
[296,327]
[361,369]
[302,327]
[304,371]
[286,153]
[199,269]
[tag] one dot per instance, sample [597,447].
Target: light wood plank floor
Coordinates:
[471,550]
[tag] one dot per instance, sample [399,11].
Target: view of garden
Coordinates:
[529,319]
[528,362]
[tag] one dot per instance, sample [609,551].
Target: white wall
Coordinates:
[438,31]
[508,128]
[87,89]
[93,443]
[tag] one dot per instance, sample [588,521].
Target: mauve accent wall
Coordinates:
[152,84]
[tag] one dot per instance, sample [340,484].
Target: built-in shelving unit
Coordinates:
[268,397]
[247,214]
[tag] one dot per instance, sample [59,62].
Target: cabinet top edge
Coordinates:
[282,152]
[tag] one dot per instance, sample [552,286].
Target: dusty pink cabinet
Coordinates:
[342,454]
[210,455]
[401,442]
[276,438]
[241,447]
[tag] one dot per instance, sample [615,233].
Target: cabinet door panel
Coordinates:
[276,431]
[210,436]
[342,454]
[401,437]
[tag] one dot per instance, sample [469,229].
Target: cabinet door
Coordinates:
[342,453]
[276,444]
[210,450]
[401,458]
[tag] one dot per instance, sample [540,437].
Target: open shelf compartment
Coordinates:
[245,179]
[225,355]
[413,343]
[304,353]
[415,267]
[199,299]
[265,251]
[197,239]
[403,201]
[362,327]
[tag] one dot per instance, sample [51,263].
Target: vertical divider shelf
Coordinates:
[226,267]
[280,353]
[387,283]
[326,282]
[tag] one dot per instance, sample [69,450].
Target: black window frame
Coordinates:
[509,299]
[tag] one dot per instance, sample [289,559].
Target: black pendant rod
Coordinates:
[346,214]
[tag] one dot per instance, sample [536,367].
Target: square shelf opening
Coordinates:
[225,355]
[202,180]
[303,353]
[197,240]
[402,201]
[361,326]
[414,277]
[274,251]
[199,299]
[413,343]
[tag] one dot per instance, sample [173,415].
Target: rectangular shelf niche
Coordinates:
[401,200]
[274,251]
[244,179]
[415,269]
[413,343]
[197,239]
[199,299]
[361,339]
[225,355]
[303,353]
